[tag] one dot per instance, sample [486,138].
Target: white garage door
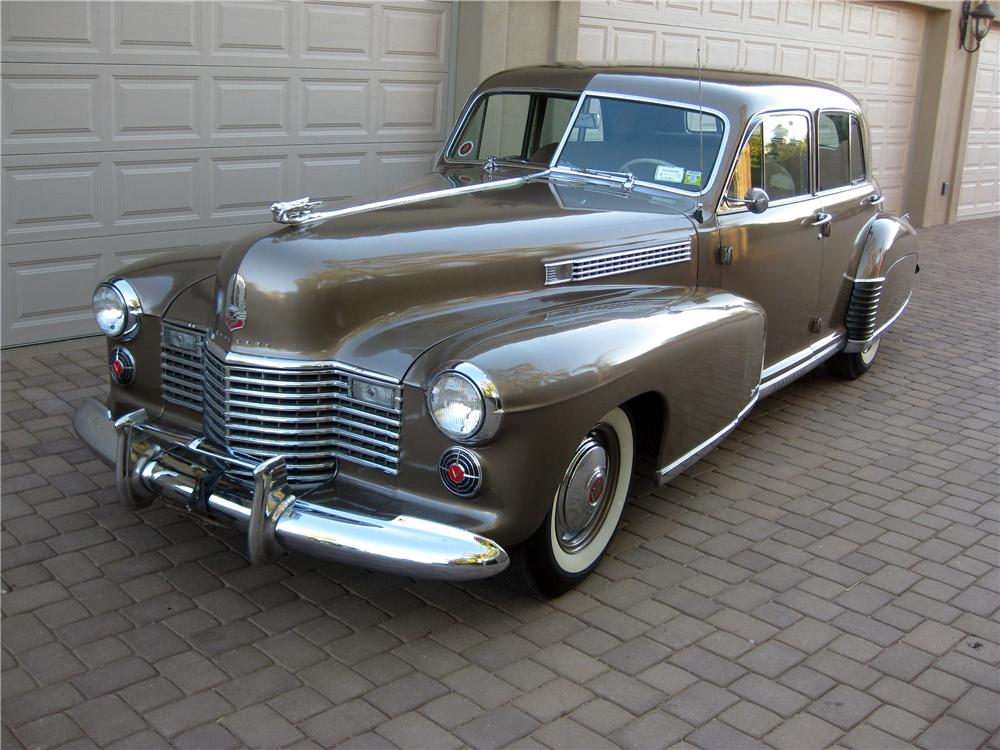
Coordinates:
[872,50]
[133,129]
[980,194]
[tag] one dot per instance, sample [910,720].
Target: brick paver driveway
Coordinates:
[829,575]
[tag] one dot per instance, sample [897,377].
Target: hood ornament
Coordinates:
[294,212]
[236,303]
[490,165]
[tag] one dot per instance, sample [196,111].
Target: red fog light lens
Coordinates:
[461,472]
[122,365]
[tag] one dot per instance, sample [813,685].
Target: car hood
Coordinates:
[376,288]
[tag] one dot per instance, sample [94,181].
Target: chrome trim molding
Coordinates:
[179,469]
[855,345]
[690,458]
[817,354]
[311,218]
[799,356]
[622,261]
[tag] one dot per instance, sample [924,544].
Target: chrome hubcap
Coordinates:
[869,353]
[586,490]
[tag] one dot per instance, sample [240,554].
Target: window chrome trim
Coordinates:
[706,185]
[757,120]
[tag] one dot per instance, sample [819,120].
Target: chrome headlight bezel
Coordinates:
[492,414]
[131,309]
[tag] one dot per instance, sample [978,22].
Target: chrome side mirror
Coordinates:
[756,201]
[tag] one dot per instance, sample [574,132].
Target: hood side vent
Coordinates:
[621,261]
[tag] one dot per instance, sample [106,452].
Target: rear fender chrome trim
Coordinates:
[854,346]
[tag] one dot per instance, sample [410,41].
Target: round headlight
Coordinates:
[456,405]
[464,404]
[117,309]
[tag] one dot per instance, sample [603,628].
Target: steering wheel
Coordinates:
[627,166]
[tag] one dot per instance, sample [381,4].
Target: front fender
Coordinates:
[558,371]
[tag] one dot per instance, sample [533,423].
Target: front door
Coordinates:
[777,254]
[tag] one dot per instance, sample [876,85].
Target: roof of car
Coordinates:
[725,90]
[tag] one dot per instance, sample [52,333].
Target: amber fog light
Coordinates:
[122,366]
[461,472]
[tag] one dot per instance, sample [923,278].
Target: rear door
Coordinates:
[851,200]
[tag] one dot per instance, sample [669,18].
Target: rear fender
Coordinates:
[884,281]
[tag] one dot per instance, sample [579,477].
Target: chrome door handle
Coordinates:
[876,200]
[821,219]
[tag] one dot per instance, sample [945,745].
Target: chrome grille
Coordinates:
[304,413]
[622,261]
[862,311]
[181,364]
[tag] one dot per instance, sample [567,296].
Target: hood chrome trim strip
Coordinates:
[311,218]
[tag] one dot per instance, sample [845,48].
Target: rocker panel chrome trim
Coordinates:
[674,468]
[819,353]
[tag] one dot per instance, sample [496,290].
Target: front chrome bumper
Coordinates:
[151,461]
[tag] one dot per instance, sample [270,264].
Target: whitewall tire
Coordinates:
[585,511]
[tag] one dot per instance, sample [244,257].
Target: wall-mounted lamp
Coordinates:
[982,17]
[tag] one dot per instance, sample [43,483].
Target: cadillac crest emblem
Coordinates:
[236,303]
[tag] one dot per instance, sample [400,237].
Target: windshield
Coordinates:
[657,143]
[520,127]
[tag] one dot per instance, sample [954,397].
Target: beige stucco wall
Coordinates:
[500,34]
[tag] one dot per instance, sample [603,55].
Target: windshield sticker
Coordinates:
[666,173]
[465,149]
[692,178]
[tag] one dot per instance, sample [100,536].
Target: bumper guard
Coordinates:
[151,461]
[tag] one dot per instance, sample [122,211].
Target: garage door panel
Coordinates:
[59,111]
[47,286]
[57,196]
[402,36]
[872,50]
[979,194]
[131,128]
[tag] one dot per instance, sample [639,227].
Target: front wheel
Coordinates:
[852,366]
[585,511]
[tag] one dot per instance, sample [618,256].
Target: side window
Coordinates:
[786,156]
[858,170]
[833,143]
[775,158]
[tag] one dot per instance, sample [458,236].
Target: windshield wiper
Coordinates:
[624,179]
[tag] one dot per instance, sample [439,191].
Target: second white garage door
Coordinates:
[871,50]
[980,190]
[132,129]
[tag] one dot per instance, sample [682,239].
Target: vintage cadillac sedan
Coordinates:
[605,271]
